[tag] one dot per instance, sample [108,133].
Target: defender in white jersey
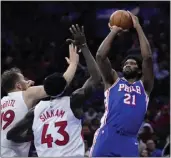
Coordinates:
[57,131]
[21,97]
[13,109]
[56,124]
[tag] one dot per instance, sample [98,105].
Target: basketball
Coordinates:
[121,18]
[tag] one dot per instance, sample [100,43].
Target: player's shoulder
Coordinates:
[52,101]
[42,104]
[60,99]
[4,98]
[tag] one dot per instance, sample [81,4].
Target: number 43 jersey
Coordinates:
[57,132]
[13,109]
[125,106]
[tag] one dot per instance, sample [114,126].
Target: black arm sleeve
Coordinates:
[55,84]
[78,98]
[22,131]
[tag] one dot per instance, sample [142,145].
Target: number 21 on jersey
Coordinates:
[129,99]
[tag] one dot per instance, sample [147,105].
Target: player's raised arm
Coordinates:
[147,65]
[22,131]
[80,95]
[109,75]
[54,84]
[80,42]
[95,77]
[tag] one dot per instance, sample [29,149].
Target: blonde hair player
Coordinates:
[21,98]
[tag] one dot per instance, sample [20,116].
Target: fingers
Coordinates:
[132,15]
[109,26]
[75,49]
[82,29]
[70,41]
[67,59]
[73,29]
[72,32]
[78,28]
[115,28]
[30,83]
[135,11]
[72,48]
[73,56]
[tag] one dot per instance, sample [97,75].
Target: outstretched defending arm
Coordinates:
[54,84]
[22,131]
[109,75]
[147,65]
[80,95]
[80,42]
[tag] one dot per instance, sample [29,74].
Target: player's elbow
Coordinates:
[97,80]
[99,56]
[10,135]
[147,57]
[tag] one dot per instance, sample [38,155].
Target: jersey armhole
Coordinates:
[35,110]
[144,89]
[22,97]
[113,85]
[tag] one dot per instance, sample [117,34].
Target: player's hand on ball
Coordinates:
[78,35]
[73,56]
[134,20]
[117,29]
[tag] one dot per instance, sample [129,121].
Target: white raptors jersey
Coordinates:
[13,109]
[57,132]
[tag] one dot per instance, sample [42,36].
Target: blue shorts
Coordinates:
[110,143]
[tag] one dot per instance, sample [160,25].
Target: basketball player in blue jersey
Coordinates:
[126,99]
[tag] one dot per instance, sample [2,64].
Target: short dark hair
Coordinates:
[9,79]
[138,60]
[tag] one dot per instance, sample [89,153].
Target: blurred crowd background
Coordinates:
[33,38]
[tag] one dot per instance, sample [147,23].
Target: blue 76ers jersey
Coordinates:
[125,106]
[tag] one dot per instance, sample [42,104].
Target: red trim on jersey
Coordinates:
[82,134]
[106,112]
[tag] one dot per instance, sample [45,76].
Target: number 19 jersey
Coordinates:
[13,109]
[57,132]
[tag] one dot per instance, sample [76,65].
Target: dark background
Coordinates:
[33,38]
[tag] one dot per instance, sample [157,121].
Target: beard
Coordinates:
[130,74]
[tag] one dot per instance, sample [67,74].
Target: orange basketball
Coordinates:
[121,18]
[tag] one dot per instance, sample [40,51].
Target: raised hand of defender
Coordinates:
[78,35]
[73,56]
[134,20]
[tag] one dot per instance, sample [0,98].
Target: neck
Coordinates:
[131,80]
[14,90]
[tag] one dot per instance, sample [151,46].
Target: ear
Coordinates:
[18,85]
